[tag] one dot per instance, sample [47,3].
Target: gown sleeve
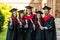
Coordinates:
[10,25]
[51,24]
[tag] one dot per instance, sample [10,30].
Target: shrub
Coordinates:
[4,13]
[1,21]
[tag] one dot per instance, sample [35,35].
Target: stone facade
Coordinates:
[51,3]
[55,5]
[37,5]
[57,8]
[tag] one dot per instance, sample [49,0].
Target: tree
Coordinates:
[4,12]
[1,21]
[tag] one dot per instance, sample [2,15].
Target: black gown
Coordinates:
[12,30]
[20,30]
[9,32]
[50,32]
[39,32]
[24,31]
[30,30]
[15,25]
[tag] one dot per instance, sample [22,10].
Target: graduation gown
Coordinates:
[39,33]
[50,32]
[11,30]
[20,29]
[15,25]
[30,33]
[25,29]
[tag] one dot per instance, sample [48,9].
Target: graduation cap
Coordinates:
[29,7]
[21,11]
[12,10]
[39,12]
[46,8]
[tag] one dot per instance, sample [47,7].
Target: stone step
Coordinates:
[58,34]
[57,18]
[57,22]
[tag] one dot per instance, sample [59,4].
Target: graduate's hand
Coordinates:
[18,20]
[26,26]
[41,27]
[34,26]
[10,19]
[20,23]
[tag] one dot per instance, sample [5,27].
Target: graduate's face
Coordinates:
[29,11]
[14,13]
[38,16]
[46,12]
[21,15]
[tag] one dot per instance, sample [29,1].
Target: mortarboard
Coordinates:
[21,11]
[46,8]
[14,9]
[39,12]
[29,7]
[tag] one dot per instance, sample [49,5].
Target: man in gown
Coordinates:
[49,25]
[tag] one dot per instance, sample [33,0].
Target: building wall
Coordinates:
[37,5]
[51,3]
[57,9]
[55,5]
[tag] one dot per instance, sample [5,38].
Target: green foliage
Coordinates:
[3,35]
[24,11]
[1,20]
[5,12]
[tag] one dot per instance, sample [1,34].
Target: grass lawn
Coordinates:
[3,35]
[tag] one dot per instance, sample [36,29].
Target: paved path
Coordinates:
[58,34]
[57,22]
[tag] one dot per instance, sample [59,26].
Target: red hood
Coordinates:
[29,17]
[47,17]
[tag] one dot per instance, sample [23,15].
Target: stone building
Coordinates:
[55,5]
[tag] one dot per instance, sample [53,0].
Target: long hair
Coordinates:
[13,15]
[36,19]
[27,13]
[20,15]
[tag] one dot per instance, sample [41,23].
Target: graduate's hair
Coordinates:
[36,19]
[27,13]
[20,14]
[13,15]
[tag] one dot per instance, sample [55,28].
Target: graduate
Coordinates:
[11,25]
[20,25]
[39,26]
[49,25]
[29,18]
